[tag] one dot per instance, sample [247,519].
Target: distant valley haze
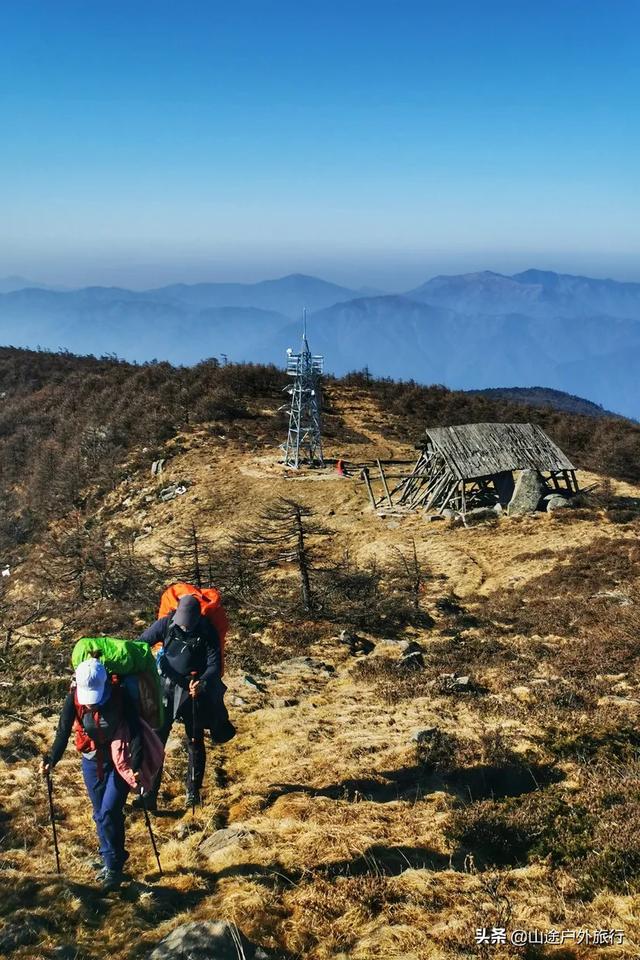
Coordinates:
[467,331]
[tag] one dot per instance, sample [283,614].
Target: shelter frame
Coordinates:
[473,465]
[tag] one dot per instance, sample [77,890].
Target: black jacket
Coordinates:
[201,654]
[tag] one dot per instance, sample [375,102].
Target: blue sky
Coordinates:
[146,141]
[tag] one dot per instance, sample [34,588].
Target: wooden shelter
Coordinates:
[473,465]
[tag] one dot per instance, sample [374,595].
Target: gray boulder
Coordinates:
[412,657]
[207,940]
[425,735]
[222,839]
[452,683]
[527,494]
[170,493]
[556,502]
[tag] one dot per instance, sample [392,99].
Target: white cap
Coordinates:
[91,680]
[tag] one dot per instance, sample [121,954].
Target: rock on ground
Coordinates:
[207,940]
[527,494]
[556,502]
[425,735]
[452,683]
[412,657]
[222,839]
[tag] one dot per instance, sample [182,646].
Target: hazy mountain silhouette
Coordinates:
[537,293]
[473,331]
[287,295]
[14,282]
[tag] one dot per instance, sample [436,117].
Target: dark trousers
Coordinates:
[108,795]
[195,746]
[210,713]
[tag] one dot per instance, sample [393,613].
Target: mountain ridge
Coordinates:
[470,331]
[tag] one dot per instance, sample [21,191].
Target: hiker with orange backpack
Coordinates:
[95,709]
[190,663]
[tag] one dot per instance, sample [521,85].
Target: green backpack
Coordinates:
[135,663]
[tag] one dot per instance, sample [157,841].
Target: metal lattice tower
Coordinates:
[304,440]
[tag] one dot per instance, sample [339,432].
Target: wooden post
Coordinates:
[365,477]
[576,488]
[384,483]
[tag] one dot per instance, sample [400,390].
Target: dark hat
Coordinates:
[187,613]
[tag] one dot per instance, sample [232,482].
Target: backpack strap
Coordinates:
[169,635]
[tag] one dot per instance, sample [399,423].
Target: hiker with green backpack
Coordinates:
[111,707]
[96,707]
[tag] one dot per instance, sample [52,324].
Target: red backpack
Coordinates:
[210,607]
[82,739]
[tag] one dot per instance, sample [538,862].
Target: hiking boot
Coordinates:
[110,880]
[150,801]
[193,798]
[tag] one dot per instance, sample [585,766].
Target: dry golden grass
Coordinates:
[347,848]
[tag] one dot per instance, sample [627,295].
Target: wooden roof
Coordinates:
[482,449]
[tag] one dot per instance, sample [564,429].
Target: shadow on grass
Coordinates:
[380,860]
[481,782]
[377,860]
[168,814]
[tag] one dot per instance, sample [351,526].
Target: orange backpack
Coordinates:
[210,607]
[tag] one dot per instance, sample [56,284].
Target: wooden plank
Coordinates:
[441,486]
[428,487]
[448,497]
[415,493]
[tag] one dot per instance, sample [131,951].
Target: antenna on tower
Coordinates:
[304,439]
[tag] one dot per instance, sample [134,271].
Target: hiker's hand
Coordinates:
[136,777]
[195,686]
[45,767]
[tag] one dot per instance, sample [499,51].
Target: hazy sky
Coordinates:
[376,143]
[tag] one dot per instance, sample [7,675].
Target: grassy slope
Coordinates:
[348,848]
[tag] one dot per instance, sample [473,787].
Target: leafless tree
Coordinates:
[17,614]
[190,558]
[283,537]
[411,574]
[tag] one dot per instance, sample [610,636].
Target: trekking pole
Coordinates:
[192,773]
[149,828]
[53,821]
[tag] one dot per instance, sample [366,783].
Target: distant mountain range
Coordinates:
[473,331]
[545,398]
[9,284]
